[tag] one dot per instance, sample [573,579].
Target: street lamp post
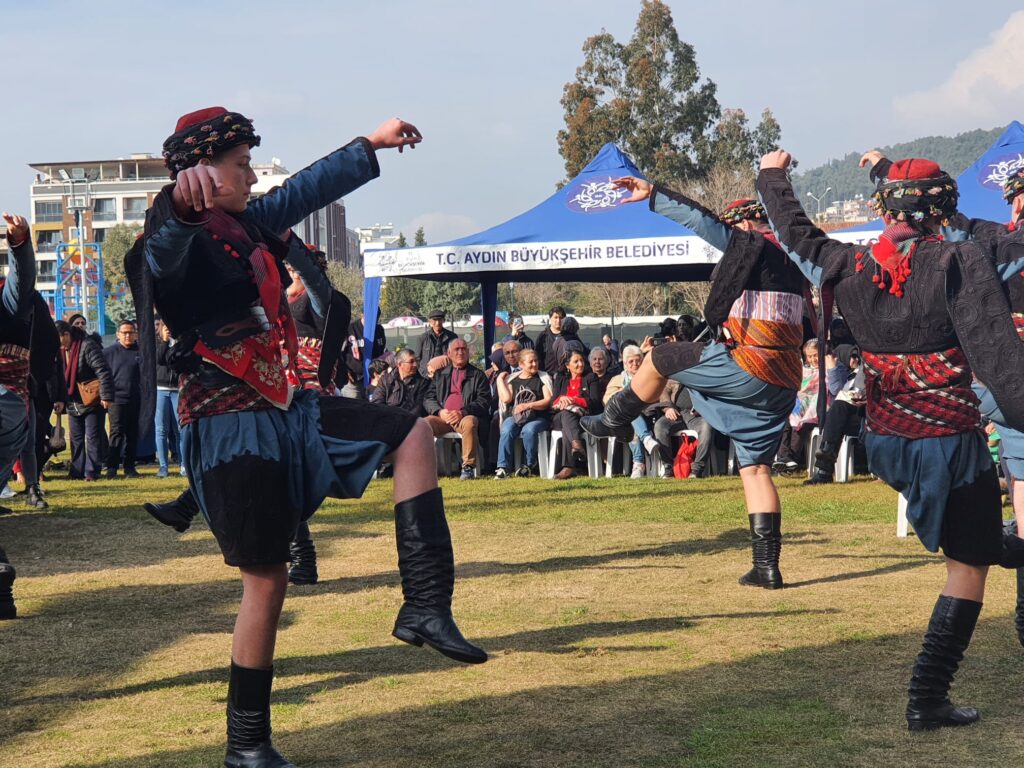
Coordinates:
[818,199]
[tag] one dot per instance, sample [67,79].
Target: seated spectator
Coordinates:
[403,387]
[524,398]
[846,385]
[600,362]
[804,417]
[643,436]
[458,401]
[574,398]
[377,369]
[517,332]
[678,416]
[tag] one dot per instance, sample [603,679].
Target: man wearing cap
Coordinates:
[746,386]
[262,455]
[434,343]
[926,313]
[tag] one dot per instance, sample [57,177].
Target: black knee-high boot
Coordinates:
[617,418]
[178,514]
[303,570]
[766,543]
[7,575]
[427,565]
[249,744]
[949,634]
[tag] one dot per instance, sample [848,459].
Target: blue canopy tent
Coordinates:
[980,186]
[583,232]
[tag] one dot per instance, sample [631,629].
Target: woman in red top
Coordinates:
[575,392]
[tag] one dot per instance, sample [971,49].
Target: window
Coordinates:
[49,210]
[98,233]
[47,240]
[104,209]
[135,208]
[46,269]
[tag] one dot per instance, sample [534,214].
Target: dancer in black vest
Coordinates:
[15,341]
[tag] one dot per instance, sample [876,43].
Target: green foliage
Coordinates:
[402,296]
[120,309]
[349,281]
[456,299]
[402,242]
[953,154]
[116,243]
[419,238]
[648,97]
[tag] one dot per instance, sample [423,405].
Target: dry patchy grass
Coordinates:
[618,634]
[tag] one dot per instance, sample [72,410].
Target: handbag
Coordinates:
[89,391]
[57,441]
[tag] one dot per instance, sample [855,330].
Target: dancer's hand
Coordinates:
[778,158]
[195,188]
[395,133]
[672,414]
[871,158]
[17,228]
[639,188]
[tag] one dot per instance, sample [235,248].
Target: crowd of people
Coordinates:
[253,379]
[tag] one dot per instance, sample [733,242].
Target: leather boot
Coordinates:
[249,744]
[1018,619]
[7,575]
[178,513]
[618,416]
[949,634]
[303,570]
[34,497]
[766,542]
[427,565]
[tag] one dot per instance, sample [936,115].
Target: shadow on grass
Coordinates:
[835,704]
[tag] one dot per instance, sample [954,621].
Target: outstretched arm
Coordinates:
[21,269]
[330,178]
[818,256]
[679,209]
[317,285]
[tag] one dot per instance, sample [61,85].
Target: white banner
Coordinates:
[513,257]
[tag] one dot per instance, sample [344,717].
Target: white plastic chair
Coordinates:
[445,447]
[844,458]
[902,525]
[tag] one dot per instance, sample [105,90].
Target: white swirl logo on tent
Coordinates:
[1000,171]
[595,196]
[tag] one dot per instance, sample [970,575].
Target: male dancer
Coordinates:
[925,312]
[261,455]
[16,292]
[744,386]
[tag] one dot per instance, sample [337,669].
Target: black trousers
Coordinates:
[124,435]
[568,423]
[87,441]
[842,419]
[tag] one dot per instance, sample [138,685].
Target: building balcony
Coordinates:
[104,215]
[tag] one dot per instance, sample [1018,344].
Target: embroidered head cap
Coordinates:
[1013,185]
[916,189]
[206,133]
[744,209]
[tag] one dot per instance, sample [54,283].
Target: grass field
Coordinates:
[618,634]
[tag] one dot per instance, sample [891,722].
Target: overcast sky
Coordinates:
[482,80]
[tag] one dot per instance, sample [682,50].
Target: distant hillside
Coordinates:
[846,179]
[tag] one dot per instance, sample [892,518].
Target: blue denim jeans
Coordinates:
[166,424]
[641,429]
[529,432]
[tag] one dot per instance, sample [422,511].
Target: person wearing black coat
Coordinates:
[403,387]
[165,423]
[354,355]
[576,394]
[123,360]
[434,343]
[84,363]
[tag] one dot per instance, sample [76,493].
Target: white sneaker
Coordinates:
[650,444]
[666,472]
[638,471]
[8,492]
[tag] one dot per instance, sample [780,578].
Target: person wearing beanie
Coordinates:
[745,387]
[262,455]
[434,343]
[926,314]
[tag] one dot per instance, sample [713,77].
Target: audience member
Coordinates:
[458,401]
[600,361]
[611,346]
[643,438]
[355,353]
[165,421]
[546,340]
[90,389]
[403,387]
[517,332]
[568,342]
[846,386]
[804,417]
[678,416]
[524,398]
[435,341]
[123,360]
[574,398]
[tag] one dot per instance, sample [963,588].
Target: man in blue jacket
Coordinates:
[123,358]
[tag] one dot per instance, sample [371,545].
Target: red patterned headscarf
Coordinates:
[206,133]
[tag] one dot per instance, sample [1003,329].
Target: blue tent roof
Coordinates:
[587,218]
[981,185]
[587,208]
